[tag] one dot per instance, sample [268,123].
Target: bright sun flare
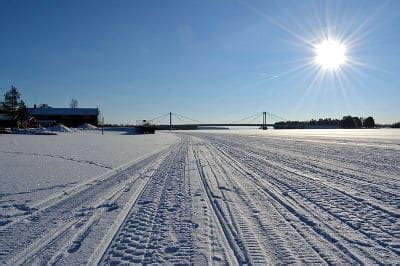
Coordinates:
[330,54]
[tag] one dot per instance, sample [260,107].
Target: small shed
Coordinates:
[71,117]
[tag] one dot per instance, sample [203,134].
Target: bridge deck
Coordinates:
[220,125]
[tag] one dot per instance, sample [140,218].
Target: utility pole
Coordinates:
[264,126]
[170,121]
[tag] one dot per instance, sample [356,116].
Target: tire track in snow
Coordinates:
[26,237]
[303,184]
[217,200]
[291,183]
[158,229]
[319,240]
[263,232]
[166,225]
[218,240]
[330,166]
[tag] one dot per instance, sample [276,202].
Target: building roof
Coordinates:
[63,111]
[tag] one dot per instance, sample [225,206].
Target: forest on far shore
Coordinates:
[345,122]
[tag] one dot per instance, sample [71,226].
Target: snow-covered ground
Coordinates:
[33,167]
[202,197]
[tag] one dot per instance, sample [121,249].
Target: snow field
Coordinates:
[34,167]
[217,198]
[267,200]
[70,217]
[347,195]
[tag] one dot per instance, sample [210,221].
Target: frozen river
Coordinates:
[236,196]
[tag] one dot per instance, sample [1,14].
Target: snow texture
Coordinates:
[60,128]
[88,126]
[204,197]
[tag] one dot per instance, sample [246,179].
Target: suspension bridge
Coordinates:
[175,121]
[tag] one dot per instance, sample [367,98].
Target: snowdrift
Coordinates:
[36,131]
[60,128]
[87,126]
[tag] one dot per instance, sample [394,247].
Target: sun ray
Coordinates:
[274,22]
[338,77]
[334,37]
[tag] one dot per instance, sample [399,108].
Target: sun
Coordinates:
[330,54]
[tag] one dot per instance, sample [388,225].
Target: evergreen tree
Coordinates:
[12,104]
[347,122]
[11,101]
[350,122]
[22,113]
[369,122]
[357,122]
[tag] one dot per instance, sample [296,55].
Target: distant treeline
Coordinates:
[396,125]
[345,122]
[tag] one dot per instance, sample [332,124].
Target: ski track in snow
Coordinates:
[43,231]
[225,199]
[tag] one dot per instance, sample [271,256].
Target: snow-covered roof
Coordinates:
[63,111]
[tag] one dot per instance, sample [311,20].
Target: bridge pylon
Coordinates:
[170,121]
[264,123]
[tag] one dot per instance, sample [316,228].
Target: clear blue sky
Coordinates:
[210,60]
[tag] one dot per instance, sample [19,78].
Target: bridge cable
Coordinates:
[276,117]
[187,118]
[156,118]
[160,121]
[180,119]
[247,117]
[257,117]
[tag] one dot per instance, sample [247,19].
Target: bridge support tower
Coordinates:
[170,121]
[264,123]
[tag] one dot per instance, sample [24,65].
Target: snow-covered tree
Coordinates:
[11,101]
[13,104]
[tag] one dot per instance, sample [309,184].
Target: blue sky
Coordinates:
[210,60]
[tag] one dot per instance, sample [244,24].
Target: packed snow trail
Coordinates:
[265,202]
[219,198]
[166,224]
[347,209]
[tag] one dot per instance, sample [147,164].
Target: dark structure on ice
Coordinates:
[145,127]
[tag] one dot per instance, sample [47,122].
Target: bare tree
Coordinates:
[74,103]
